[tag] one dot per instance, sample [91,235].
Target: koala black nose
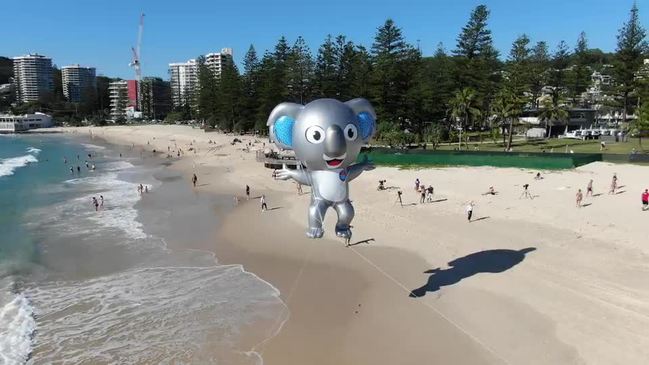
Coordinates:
[335,144]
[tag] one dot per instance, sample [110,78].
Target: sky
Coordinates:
[100,33]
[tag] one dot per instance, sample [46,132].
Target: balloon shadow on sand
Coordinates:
[490,261]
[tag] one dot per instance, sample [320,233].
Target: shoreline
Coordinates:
[518,283]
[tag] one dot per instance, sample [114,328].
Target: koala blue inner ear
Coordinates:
[366,124]
[283,129]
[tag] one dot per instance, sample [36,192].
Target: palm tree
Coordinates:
[506,108]
[462,108]
[553,110]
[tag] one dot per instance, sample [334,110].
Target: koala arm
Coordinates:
[299,175]
[356,169]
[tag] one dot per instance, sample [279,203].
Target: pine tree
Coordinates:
[475,41]
[540,60]
[325,70]
[631,46]
[434,90]
[580,73]
[249,89]
[558,73]
[206,105]
[519,67]
[477,59]
[395,64]
[300,72]
[272,82]
[229,97]
[345,52]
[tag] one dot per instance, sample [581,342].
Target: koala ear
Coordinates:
[365,115]
[280,124]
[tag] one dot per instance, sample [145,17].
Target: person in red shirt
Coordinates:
[645,199]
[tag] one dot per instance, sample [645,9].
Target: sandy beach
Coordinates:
[529,281]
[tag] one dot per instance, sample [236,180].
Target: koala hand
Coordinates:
[285,173]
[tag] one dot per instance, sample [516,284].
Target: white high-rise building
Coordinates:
[184,75]
[32,77]
[184,82]
[215,61]
[77,80]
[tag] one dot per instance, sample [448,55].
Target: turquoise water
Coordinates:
[80,285]
[25,174]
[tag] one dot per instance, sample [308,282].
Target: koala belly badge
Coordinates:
[326,136]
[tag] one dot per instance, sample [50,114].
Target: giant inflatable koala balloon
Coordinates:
[326,136]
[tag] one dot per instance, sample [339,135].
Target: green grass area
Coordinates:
[558,145]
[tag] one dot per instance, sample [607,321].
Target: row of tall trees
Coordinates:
[470,87]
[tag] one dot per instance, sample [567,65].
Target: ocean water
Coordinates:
[103,287]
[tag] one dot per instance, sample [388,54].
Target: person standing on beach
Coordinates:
[469,210]
[264,207]
[247,192]
[422,194]
[101,201]
[526,193]
[429,194]
[194,180]
[417,184]
[399,198]
[580,196]
[645,200]
[95,203]
[589,188]
[613,184]
[299,189]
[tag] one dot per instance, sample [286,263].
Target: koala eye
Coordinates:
[315,134]
[351,132]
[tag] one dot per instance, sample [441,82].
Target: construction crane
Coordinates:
[135,63]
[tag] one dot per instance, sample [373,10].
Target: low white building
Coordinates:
[21,123]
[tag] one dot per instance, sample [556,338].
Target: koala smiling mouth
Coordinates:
[334,162]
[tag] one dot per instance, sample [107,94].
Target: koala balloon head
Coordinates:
[326,133]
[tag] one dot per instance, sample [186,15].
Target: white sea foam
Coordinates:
[91,146]
[117,166]
[9,165]
[118,212]
[17,326]
[153,315]
[33,150]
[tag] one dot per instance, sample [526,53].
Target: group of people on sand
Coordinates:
[613,190]
[98,203]
[262,199]
[425,193]
[579,197]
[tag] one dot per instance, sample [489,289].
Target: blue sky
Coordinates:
[100,33]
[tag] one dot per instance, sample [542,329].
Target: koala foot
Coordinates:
[315,232]
[343,231]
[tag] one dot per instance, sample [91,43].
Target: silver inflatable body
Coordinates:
[326,136]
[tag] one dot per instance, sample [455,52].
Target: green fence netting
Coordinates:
[415,157]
